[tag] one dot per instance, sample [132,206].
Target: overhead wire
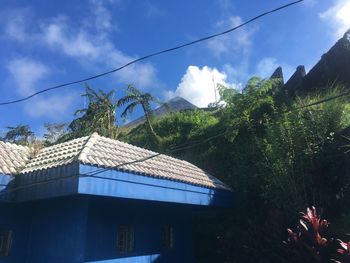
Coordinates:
[347,93]
[150,55]
[101,170]
[179,147]
[184,146]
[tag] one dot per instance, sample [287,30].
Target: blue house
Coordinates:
[95,199]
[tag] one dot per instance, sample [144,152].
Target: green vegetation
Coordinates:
[173,129]
[279,157]
[278,154]
[20,134]
[99,116]
[133,98]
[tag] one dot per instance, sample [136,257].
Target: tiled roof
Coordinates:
[56,155]
[112,154]
[105,152]
[12,158]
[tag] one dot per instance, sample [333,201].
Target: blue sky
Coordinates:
[45,43]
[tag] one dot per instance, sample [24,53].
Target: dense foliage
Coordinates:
[98,116]
[20,134]
[133,98]
[279,157]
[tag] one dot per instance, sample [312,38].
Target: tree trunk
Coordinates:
[149,122]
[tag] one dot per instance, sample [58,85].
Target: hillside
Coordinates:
[173,105]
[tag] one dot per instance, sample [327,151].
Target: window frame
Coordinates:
[168,237]
[125,239]
[5,242]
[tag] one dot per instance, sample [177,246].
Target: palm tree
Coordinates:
[54,131]
[98,116]
[20,134]
[134,98]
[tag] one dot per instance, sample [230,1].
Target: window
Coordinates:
[5,242]
[168,236]
[125,239]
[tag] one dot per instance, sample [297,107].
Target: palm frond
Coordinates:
[129,109]
[89,92]
[125,100]
[131,90]
[147,97]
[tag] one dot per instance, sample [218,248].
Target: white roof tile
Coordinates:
[12,157]
[107,153]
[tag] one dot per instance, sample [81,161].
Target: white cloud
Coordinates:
[238,40]
[15,28]
[75,45]
[98,51]
[338,16]
[198,85]
[267,66]
[91,47]
[237,73]
[26,73]
[103,18]
[55,107]
[89,43]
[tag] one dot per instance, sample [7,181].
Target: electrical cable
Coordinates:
[150,55]
[101,170]
[179,147]
[325,100]
[172,150]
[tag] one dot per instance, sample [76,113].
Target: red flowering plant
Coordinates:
[308,241]
[309,244]
[342,253]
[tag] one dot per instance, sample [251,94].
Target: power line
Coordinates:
[179,147]
[325,100]
[191,144]
[150,55]
[101,170]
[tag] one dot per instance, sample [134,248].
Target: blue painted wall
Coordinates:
[57,230]
[43,184]
[80,179]
[127,185]
[46,231]
[83,228]
[63,216]
[6,181]
[14,217]
[147,218]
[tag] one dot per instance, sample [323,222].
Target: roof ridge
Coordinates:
[82,155]
[100,151]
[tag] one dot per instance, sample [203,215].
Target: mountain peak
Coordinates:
[173,105]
